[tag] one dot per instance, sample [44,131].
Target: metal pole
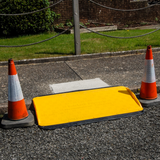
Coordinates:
[77,42]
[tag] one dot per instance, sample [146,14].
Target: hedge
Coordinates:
[25,24]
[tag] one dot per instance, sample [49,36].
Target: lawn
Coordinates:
[64,44]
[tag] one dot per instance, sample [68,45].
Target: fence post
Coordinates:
[77,42]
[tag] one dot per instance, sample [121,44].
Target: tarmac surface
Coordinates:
[136,137]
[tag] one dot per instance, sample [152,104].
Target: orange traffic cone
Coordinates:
[17,116]
[148,92]
[148,85]
[16,105]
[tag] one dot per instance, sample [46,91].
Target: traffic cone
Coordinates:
[17,110]
[16,105]
[148,92]
[148,85]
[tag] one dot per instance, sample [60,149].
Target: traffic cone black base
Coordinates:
[17,116]
[148,92]
[26,122]
[149,103]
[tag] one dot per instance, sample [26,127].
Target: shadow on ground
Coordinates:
[147,44]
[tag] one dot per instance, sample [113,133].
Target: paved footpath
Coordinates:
[135,137]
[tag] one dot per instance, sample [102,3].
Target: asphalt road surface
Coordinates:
[136,137]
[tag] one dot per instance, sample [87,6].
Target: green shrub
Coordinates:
[25,24]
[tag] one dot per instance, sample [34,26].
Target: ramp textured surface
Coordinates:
[80,107]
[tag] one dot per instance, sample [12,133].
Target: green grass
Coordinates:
[64,44]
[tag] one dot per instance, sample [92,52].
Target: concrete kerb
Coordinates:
[77,57]
[29,105]
[4,106]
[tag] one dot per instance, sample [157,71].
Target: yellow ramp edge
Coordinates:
[81,107]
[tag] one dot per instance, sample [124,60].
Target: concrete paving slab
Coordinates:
[35,78]
[78,85]
[97,29]
[122,70]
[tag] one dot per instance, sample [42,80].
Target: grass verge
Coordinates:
[64,44]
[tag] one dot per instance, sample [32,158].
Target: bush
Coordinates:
[25,24]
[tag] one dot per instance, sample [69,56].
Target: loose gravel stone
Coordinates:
[136,137]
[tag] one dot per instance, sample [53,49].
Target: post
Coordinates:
[77,42]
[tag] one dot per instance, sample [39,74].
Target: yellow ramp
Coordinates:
[81,107]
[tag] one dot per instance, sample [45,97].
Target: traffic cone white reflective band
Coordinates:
[149,72]
[148,85]
[16,105]
[14,89]
[17,116]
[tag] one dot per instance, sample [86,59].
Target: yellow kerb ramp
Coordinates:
[87,106]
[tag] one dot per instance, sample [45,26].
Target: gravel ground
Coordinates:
[136,137]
